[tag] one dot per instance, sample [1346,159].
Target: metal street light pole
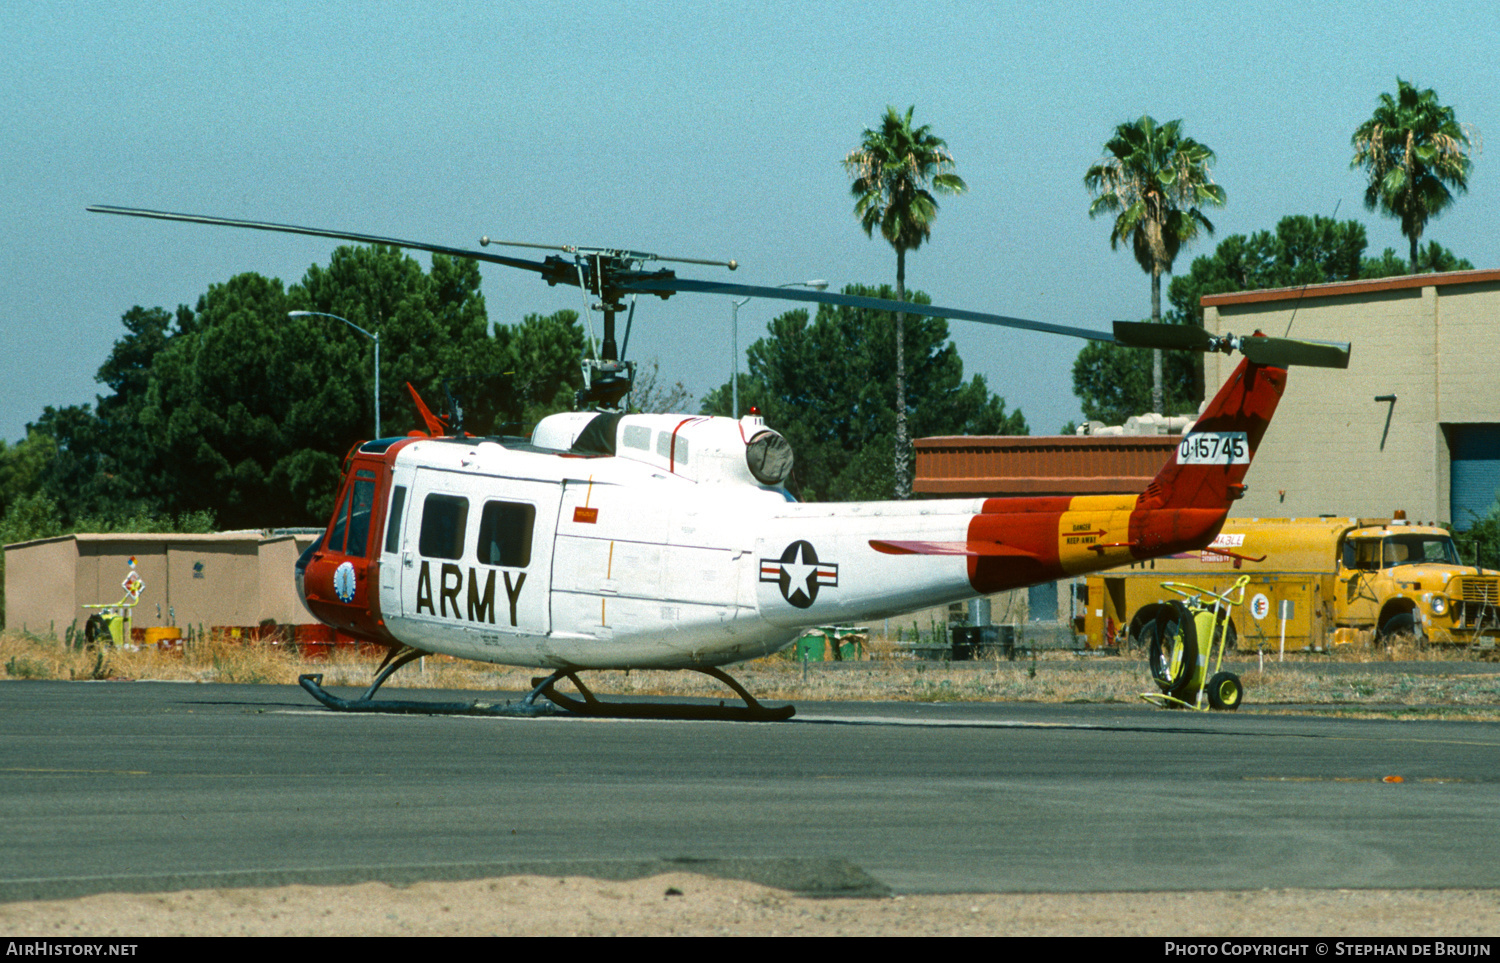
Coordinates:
[372,337]
[734,379]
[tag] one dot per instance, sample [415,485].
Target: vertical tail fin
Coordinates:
[1208,468]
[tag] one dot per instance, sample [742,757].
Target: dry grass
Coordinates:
[1459,693]
[1407,648]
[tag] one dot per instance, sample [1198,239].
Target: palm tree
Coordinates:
[895,170]
[1153,180]
[1414,151]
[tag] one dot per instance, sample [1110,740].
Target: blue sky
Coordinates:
[688,129]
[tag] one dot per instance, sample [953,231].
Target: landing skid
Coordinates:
[558,704]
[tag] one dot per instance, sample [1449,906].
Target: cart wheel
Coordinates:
[1174,650]
[96,632]
[1225,691]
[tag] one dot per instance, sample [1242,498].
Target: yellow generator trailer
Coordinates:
[1314,582]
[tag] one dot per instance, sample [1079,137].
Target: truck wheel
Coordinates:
[1173,655]
[1397,626]
[1225,691]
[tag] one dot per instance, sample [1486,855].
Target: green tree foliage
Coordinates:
[1113,383]
[23,467]
[827,385]
[1301,250]
[895,171]
[235,410]
[540,359]
[1416,155]
[1480,542]
[1154,181]
[1431,258]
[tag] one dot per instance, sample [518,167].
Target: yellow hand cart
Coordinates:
[110,625]
[1184,640]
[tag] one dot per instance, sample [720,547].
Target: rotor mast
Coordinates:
[606,275]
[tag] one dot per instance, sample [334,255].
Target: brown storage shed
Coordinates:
[228,578]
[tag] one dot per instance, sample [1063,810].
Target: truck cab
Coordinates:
[1396,578]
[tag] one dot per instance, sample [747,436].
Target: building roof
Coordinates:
[1046,465]
[249,534]
[1343,288]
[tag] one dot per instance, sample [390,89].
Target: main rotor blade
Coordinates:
[655,284]
[1173,337]
[536,266]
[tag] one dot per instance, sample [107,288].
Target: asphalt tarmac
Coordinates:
[143,787]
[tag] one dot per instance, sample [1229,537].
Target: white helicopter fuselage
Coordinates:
[670,541]
[643,559]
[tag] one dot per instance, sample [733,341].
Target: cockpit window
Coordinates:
[340,521]
[443,521]
[359,513]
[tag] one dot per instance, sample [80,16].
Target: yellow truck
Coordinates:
[1314,582]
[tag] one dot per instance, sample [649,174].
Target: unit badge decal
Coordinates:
[343,582]
[799,574]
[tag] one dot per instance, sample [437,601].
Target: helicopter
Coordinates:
[611,540]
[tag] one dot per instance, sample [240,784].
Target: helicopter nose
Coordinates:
[301,569]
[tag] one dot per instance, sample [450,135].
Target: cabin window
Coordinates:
[443,521]
[638,436]
[359,513]
[393,520]
[505,534]
[669,451]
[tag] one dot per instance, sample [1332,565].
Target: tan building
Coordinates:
[229,579]
[1414,423]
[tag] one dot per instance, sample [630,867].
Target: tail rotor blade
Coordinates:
[1279,352]
[1282,352]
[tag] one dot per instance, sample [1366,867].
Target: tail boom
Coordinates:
[819,564]
[1182,509]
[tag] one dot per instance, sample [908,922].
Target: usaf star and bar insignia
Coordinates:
[799,574]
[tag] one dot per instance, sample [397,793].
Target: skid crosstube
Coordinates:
[589,705]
